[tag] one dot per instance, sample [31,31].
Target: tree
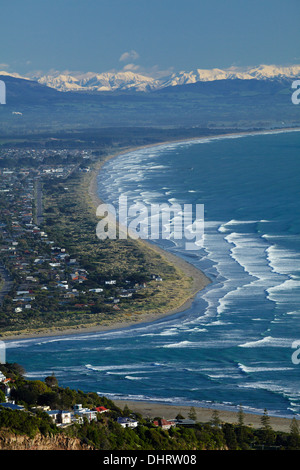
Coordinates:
[241,416]
[13,370]
[126,411]
[241,431]
[268,436]
[265,421]
[2,396]
[294,437]
[48,399]
[38,386]
[230,436]
[294,428]
[51,381]
[215,420]
[192,414]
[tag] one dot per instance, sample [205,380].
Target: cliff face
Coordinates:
[10,441]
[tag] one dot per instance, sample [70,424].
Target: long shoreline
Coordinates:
[203,414]
[199,279]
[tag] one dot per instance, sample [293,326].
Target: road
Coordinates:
[7,283]
[39,203]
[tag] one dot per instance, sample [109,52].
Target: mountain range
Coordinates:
[256,98]
[130,81]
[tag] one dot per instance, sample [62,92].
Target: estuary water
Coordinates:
[237,344]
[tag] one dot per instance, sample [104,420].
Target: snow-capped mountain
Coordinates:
[90,81]
[262,72]
[120,81]
[11,74]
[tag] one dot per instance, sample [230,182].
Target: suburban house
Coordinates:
[164,424]
[12,406]
[100,409]
[81,413]
[60,416]
[78,414]
[127,422]
[184,422]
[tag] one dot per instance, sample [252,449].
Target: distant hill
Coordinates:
[224,103]
[233,86]
[20,91]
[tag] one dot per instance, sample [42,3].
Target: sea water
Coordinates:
[234,346]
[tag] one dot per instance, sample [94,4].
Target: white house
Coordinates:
[61,285]
[60,416]
[127,422]
[81,413]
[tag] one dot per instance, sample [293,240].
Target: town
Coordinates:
[44,277]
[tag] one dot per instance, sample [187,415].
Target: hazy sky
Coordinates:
[150,36]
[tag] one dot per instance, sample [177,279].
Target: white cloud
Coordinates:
[131,68]
[4,66]
[129,56]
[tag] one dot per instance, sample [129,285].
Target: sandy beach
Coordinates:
[199,280]
[204,415]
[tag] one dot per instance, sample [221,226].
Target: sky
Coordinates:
[155,37]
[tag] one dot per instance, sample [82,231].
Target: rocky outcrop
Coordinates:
[11,441]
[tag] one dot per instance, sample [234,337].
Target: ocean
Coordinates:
[237,343]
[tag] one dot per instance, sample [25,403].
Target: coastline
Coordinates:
[199,279]
[204,415]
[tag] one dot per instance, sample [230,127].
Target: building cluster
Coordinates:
[80,414]
[5,385]
[36,273]
[27,256]
[45,160]
[60,417]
